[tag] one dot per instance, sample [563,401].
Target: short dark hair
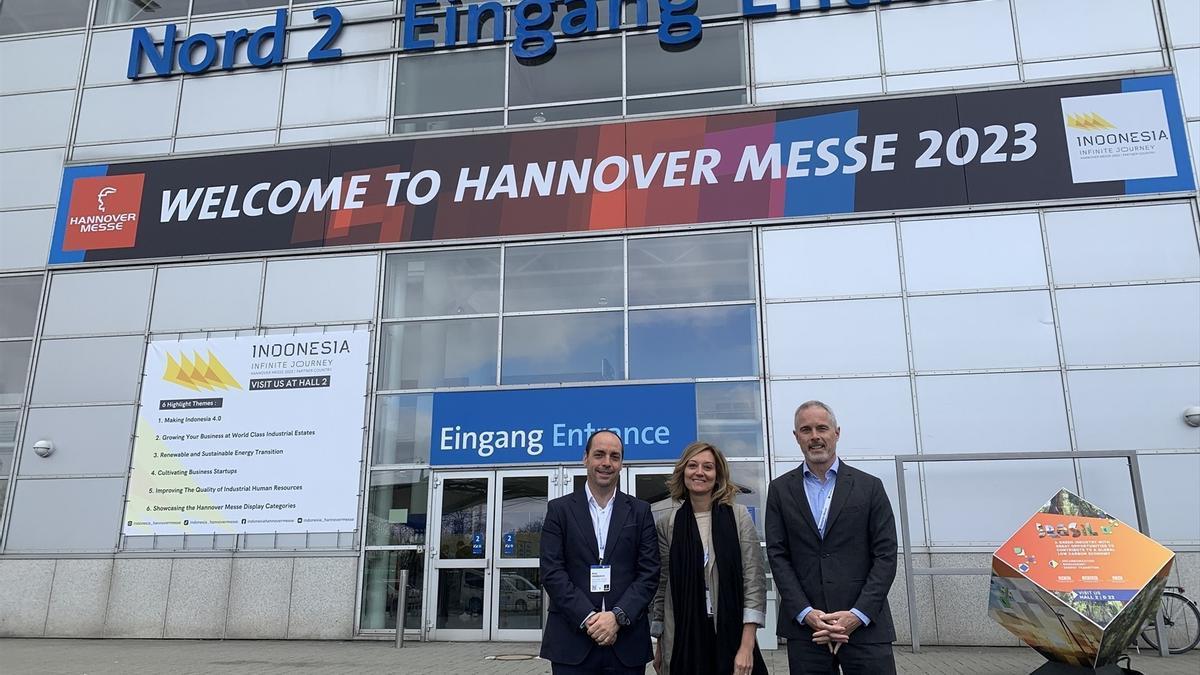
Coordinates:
[587,447]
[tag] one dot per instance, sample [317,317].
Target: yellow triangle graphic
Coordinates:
[223,375]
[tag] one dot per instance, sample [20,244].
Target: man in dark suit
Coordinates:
[831,541]
[599,564]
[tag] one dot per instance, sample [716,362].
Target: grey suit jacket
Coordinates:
[754,585]
[852,567]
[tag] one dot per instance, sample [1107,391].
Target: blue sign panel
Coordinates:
[551,425]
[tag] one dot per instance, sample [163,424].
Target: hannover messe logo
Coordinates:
[104,212]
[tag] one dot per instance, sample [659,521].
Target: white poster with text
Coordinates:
[254,434]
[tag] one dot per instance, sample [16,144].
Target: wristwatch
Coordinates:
[622,618]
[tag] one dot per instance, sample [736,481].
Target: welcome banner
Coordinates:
[1096,139]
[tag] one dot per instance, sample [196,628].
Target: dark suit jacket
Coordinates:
[852,567]
[568,551]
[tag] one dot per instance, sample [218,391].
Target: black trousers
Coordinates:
[599,661]
[806,657]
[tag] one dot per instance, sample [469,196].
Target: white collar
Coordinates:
[587,489]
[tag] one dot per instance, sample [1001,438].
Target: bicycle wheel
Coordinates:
[1181,621]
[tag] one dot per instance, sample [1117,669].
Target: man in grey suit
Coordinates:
[831,542]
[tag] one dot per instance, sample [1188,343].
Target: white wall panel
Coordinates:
[985,502]
[875,414]
[336,93]
[76,299]
[58,60]
[955,35]
[1120,63]
[1107,484]
[1139,243]
[229,297]
[953,78]
[248,139]
[87,440]
[804,48]
[66,514]
[830,261]
[36,120]
[30,178]
[983,330]
[320,290]
[1130,324]
[330,132]
[831,338]
[1183,21]
[980,252]
[121,150]
[959,412]
[1134,409]
[819,90]
[1079,27]
[25,238]
[130,112]
[245,101]
[353,39]
[108,55]
[1187,72]
[1172,500]
[88,370]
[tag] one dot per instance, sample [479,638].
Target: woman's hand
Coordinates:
[658,661]
[743,661]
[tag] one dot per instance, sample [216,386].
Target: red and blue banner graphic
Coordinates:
[1095,139]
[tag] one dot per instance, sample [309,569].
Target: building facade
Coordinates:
[458,244]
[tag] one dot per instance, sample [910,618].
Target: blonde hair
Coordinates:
[724,489]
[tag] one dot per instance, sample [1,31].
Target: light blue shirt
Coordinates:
[819,495]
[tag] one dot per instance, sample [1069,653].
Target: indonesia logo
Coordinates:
[199,373]
[103,212]
[1088,122]
[1116,137]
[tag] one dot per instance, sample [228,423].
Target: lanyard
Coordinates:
[825,512]
[600,519]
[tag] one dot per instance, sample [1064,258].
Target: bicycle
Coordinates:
[1181,621]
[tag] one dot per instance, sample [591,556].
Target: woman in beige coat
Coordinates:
[712,593]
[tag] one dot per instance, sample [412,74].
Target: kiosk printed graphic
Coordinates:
[1076,584]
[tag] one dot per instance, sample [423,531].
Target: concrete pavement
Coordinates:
[245,657]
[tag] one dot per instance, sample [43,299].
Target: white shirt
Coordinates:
[601,517]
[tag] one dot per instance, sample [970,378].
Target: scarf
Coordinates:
[697,647]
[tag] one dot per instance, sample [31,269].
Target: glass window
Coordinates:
[564,113]
[983,252]
[464,515]
[704,8]
[324,289]
[1147,402]
[73,297]
[30,16]
[855,337]
[120,11]
[751,478]
[419,125]
[983,330]
[1096,245]
[225,302]
[19,298]
[799,49]
[575,275]
[913,38]
[563,348]
[1130,324]
[959,412]
[709,99]
[397,508]
[522,512]
[562,7]
[842,260]
[693,342]
[460,80]
[699,268]
[729,415]
[337,92]
[875,413]
[214,6]
[442,283]
[403,427]
[580,70]
[381,581]
[14,366]
[715,60]
[1112,26]
[449,353]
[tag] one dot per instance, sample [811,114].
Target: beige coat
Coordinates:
[662,614]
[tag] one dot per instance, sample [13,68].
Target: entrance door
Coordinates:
[484,554]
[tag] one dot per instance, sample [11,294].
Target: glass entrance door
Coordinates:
[485,583]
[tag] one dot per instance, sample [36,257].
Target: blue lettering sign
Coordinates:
[551,425]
